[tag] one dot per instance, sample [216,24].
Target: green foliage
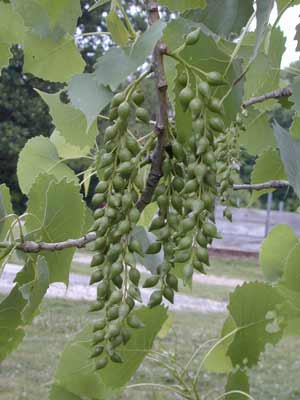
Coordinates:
[182,5]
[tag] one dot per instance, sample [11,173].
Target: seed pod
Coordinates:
[198,126]
[106,160]
[130,260]
[142,115]
[196,106]
[187,225]
[101,187]
[209,201]
[118,99]
[204,89]
[177,203]
[187,273]
[100,244]
[126,201]
[134,276]
[217,124]
[164,267]
[169,251]
[173,220]
[185,97]
[183,256]
[163,234]
[201,239]
[202,255]
[151,281]
[113,331]
[138,97]
[178,151]
[178,184]
[157,223]
[126,335]
[182,79]
[115,298]
[116,269]
[124,110]
[216,106]
[99,325]
[124,227]
[132,145]
[99,213]
[155,299]
[168,294]
[114,253]
[118,281]
[214,78]
[193,37]
[135,293]
[185,243]
[191,186]
[110,133]
[98,350]
[135,247]
[210,230]
[154,248]
[97,260]
[227,214]
[113,114]
[116,358]
[134,322]
[97,306]
[209,158]
[96,277]
[111,213]
[98,199]
[163,202]
[124,155]
[125,169]
[172,282]
[114,201]
[167,167]
[198,266]
[107,173]
[134,215]
[98,337]
[124,310]
[102,363]
[112,313]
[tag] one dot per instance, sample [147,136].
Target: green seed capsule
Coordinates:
[106,160]
[107,173]
[178,151]
[110,133]
[124,155]
[135,247]
[112,313]
[118,99]
[191,186]
[178,184]
[187,273]
[98,350]
[177,203]
[125,169]
[116,269]
[97,260]
[134,215]
[201,239]
[124,227]
[198,126]
[227,214]
[132,145]
[134,276]
[100,364]
[196,106]
[114,253]
[217,124]
[98,337]
[202,255]
[193,37]
[98,199]
[215,105]
[118,183]
[99,213]
[209,201]
[101,187]
[134,322]
[99,325]
[97,307]
[185,243]
[111,213]
[187,225]
[163,234]
[126,335]
[116,297]
[116,358]
[163,202]
[96,277]
[209,158]
[113,114]
[102,290]
[182,79]
[183,256]
[155,299]
[157,223]
[210,230]
[185,97]
[113,331]
[135,293]
[214,78]
[124,110]
[124,310]
[167,167]
[204,90]
[138,97]
[172,282]
[154,248]
[151,281]
[127,201]
[142,115]
[118,281]
[164,267]
[130,260]
[198,266]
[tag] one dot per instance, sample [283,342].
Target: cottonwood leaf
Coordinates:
[98,4]
[40,156]
[249,306]
[281,4]
[66,150]
[182,5]
[263,13]
[268,167]
[12,29]
[58,214]
[116,27]
[237,381]
[275,250]
[100,385]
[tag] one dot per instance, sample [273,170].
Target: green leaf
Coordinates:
[66,150]
[281,4]
[59,214]
[40,156]
[12,29]
[108,71]
[264,74]
[259,134]
[275,250]
[223,17]
[295,98]
[5,54]
[253,308]
[290,155]
[76,374]
[268,167]
[295,128]
[5,210]
[88,96]
[290,278]
[59,393]
[263,13]
[237,381]
[49,18]
[51,60]
[117,29]
[98,4]
[147,215]
[182,5]
[70,122]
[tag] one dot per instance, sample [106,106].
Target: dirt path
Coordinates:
[79,289]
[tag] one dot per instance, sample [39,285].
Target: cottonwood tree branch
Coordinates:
[262,186]
[161,125]
[276,94]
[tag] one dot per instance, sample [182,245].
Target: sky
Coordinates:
[288,23]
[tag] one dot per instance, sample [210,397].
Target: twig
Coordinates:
[262,186]
[276,94]
[161,127]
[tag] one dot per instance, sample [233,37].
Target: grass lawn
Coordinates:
[27,373]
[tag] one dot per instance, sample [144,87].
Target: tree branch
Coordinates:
[276,94]
[162,115]
[262,186]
